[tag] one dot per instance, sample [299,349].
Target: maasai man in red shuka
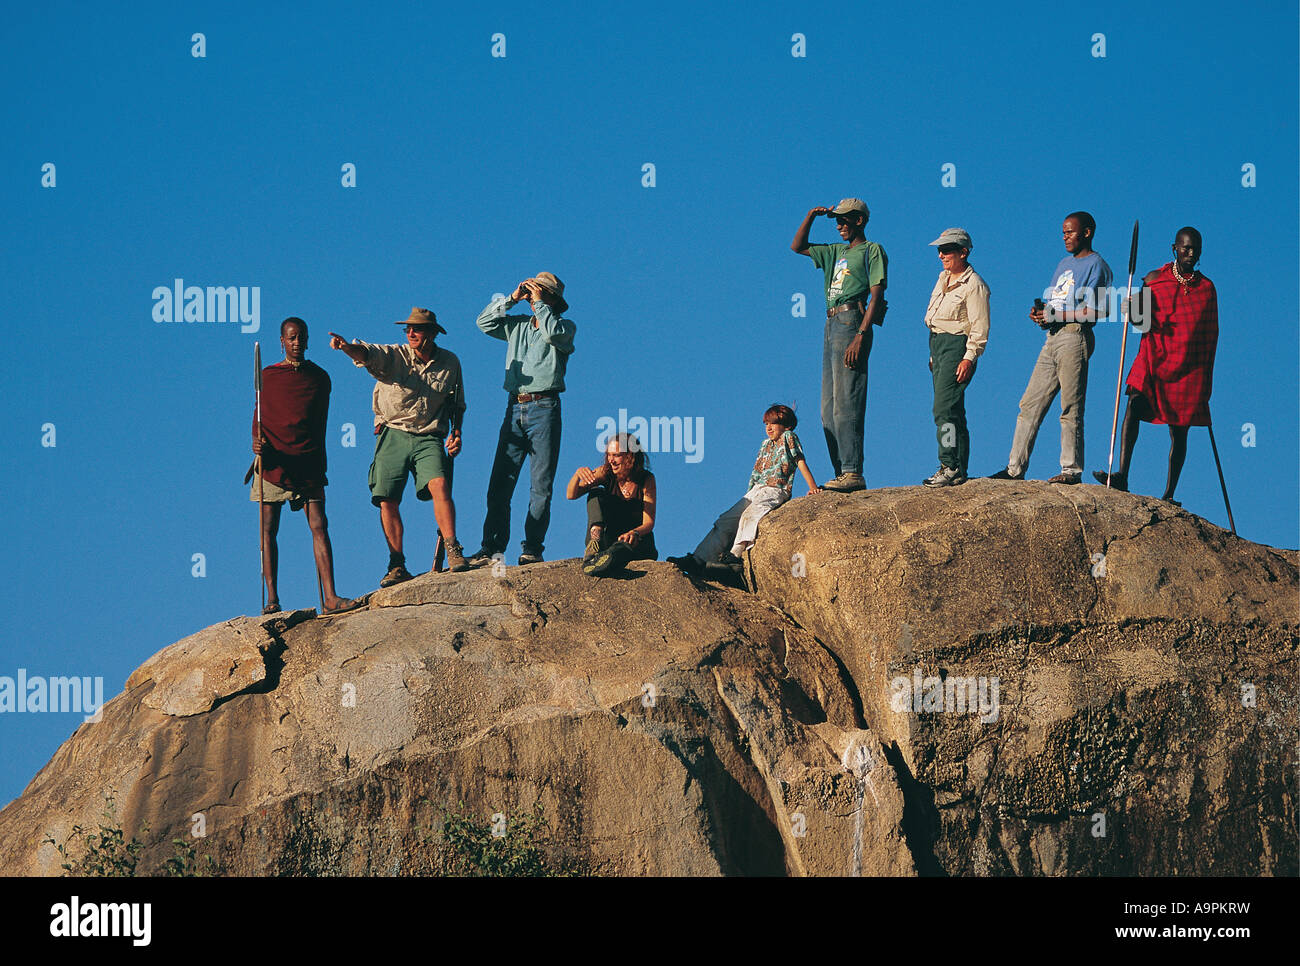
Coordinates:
[1173,373]
[295,408]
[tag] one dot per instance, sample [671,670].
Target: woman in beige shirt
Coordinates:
[958,320]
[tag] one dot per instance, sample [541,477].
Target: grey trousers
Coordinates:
[736,529]
[1062,367]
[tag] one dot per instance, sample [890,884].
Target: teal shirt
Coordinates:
[850,272]
[536,357]
[778,460]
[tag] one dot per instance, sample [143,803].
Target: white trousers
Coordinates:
[737,527]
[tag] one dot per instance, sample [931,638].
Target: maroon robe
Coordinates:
[295,409]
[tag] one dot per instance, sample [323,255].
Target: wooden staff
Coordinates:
[440,547]
[257,467]
[1222,485]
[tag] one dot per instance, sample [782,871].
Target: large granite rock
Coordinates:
[1144,662]
[664,728]
[1131,671]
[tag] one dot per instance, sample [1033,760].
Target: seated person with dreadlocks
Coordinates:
[620,507]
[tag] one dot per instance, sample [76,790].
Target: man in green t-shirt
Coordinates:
[855,300]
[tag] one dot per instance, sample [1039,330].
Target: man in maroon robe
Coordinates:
[295,408]
[1172,376]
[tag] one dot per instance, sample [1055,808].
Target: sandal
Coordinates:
[272,607]
[344,606]
[1118,481]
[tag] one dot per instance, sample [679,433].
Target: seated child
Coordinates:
[770,485]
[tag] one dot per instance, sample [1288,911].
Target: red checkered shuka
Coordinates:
[1174,368]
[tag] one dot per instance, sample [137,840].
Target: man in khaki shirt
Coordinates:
[419,403]
[958,320]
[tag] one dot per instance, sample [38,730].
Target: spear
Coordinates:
[1123,349]
[257,418]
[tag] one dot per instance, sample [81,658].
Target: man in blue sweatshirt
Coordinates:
[1070,306]
[538,350]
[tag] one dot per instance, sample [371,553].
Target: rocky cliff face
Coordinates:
[1145,663]
[997,679]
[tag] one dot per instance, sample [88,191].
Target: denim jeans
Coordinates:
[530,429]
[1062,367]
[844,392]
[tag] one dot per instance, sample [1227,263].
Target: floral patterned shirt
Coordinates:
[778,459]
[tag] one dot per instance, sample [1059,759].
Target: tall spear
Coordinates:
[1123,349]
[257,466]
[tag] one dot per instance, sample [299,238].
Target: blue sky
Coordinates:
[474,171]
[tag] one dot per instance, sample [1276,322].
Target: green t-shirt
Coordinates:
[850,272]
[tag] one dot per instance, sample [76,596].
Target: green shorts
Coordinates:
[398,453]
[295,498]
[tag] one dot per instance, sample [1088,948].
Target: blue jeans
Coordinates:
[530,429]
[844,392]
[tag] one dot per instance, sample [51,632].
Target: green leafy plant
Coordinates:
[523,846]
[103,851]
[184,862]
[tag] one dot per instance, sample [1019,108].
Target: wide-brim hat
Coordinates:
[420,316]
[552,284]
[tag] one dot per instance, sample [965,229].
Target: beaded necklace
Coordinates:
[1186,282]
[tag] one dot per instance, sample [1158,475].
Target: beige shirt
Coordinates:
[425,398]
[961,310]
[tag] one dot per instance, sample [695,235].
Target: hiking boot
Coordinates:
[529,558]
[397,575]
[1006,474]
[1118,481]
[729,559]
[946,476]
[687,564]
[1069,479]
[846,483]
[609,560]
[590,551]
[456,558]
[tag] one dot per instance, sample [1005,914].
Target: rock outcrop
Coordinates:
[996,679]
[1145,664]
